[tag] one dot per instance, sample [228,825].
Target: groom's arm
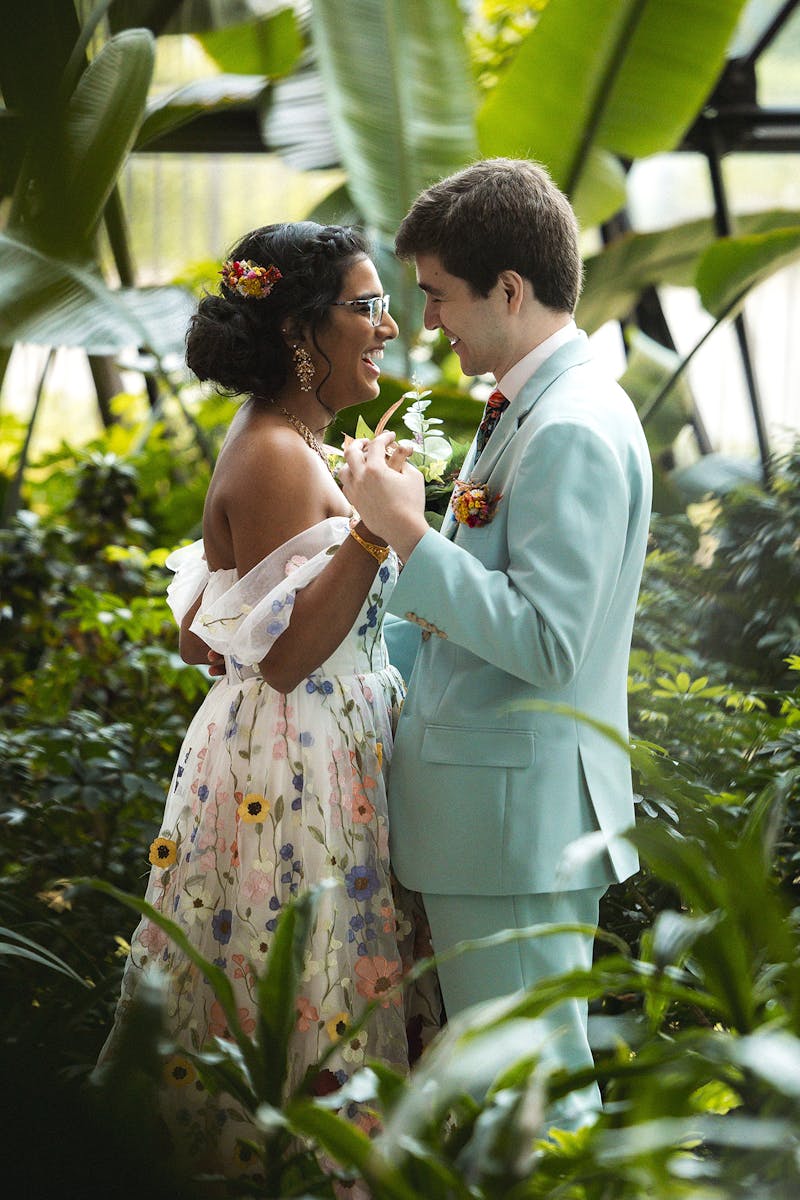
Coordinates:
[567,526]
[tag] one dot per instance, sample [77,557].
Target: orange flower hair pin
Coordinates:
[249,279]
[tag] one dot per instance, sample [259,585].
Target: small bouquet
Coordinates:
[433,451]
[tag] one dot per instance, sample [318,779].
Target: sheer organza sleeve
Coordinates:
[191,576]
[241,618]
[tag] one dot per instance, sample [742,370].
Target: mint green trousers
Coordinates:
[479,975]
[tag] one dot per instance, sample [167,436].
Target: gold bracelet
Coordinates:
[379,553]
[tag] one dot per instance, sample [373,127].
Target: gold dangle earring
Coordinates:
[304,367]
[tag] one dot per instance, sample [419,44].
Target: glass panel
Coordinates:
[778,68]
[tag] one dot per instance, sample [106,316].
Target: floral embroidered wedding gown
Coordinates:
[272,793]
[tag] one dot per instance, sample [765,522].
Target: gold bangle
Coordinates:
[379,553]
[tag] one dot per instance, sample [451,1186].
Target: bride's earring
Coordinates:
[304,367]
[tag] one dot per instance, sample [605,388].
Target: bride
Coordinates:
[280,781]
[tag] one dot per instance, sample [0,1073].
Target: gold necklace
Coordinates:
[306,434]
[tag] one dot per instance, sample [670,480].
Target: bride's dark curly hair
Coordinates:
[236,341]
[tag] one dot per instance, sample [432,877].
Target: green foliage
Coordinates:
[695,999]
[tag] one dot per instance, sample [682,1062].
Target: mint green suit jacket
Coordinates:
[484,795]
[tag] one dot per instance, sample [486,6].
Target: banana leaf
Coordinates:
[400,95]
[100,125]
[594,79]
[295,124]
[171,110]
[734,266]
[188,16]
[55,303]
[270,46]
[615,277]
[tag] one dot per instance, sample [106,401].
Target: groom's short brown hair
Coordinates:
[499,214]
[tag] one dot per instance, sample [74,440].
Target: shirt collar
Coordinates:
[514,380]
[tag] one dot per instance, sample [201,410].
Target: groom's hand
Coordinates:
[388,493]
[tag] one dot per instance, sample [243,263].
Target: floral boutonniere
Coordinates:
[473,504]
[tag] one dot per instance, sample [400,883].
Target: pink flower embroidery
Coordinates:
[218,1025]
[256,886]
[296,561]
[375,977]
[152,938]
[359,807]
[307,1015]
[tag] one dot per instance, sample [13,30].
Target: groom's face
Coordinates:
[473,324]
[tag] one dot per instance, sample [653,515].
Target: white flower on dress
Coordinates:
[353,1048]
[197,905]
[259,949]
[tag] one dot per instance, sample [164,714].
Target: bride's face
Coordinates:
[350,342]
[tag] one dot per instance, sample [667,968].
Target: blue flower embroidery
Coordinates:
[362,883]
[221,923]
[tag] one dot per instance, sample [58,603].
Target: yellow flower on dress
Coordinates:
[379,753]
[178,1071]
[163,852]
[254,807]
[245,1153]
[336,1028]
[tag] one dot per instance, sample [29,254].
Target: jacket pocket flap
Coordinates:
[478,747]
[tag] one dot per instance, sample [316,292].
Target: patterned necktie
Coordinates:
[496,405]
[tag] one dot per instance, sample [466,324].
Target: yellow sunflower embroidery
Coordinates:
[254,807]
[163,852]
[336,1027]
[178,1071]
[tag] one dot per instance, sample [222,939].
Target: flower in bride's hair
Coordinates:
[473,504]
[248,279]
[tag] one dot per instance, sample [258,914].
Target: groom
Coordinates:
[527,594]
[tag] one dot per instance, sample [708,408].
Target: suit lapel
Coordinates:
[480,466]
[569,355]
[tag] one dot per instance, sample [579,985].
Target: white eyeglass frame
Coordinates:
[376,304]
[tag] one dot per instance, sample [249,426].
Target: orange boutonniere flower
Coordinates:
[473,504]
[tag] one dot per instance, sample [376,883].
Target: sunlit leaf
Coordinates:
[626,78]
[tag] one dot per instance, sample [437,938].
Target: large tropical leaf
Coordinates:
[592,78]
[733,266]
[100,125]
[270,46]
[188,16]
[295,122]
[614,278]
[170,110]
[54,303]
[400,95]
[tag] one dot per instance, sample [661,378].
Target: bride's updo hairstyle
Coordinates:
[235,341]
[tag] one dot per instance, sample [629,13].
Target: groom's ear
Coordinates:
[513,286]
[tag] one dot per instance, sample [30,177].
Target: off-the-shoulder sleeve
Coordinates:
[242,618]
[191,576]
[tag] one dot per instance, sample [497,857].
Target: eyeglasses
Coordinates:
[372,306]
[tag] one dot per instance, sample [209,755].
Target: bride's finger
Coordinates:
[398,454]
